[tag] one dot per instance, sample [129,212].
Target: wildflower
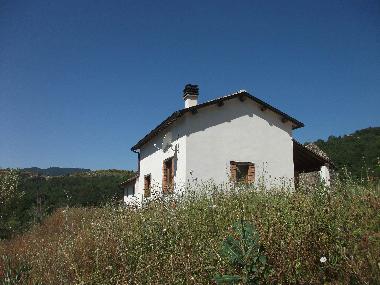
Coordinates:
[164,230]
[109,267]
[323,259]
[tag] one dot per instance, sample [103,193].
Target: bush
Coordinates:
[322,236]
[10,195]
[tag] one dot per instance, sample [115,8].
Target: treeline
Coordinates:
[54,171]
[358,152]
[41,195]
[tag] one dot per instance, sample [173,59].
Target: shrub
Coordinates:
[10,195]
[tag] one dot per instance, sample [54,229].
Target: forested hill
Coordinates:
[359,152]
[54,171]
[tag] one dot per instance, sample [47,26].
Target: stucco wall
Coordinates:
[153,154]
[239,131]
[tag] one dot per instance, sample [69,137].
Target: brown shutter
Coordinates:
[147,186]
[172,178]
[251,173]
[233,171]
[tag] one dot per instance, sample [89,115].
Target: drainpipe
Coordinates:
[138,158]
[324,174]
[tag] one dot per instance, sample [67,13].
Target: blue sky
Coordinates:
[83,81]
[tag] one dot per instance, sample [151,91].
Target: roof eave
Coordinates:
[168,121]
[327,161]
[130,180]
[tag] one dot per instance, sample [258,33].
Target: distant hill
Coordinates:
[104,172]
[359,152]
[54,171]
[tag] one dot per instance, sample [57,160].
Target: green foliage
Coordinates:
[358,152]
[10,195]
[9,180]
[318,237]
[227,279]
[243,250]
[43,195]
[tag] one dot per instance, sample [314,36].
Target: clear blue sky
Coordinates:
[82,81]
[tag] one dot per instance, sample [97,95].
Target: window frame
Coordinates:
[126,193]
[166,187]
[147,185]
[251,171]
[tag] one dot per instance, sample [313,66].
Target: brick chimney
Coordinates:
[190,95]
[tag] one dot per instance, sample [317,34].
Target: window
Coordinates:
[242,172]
[130,190]
[168,175]
[147,185]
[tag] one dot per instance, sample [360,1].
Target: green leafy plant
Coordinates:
[244,253]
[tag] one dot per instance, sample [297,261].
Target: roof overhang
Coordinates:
[129,181]
[306,160]
[242,95]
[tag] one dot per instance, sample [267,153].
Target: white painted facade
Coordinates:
[239,131]
[204,143]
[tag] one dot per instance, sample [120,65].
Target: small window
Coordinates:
[131,190]
[242,172]
[168,175]
[147,185]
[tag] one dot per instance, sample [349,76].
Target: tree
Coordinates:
[9,195]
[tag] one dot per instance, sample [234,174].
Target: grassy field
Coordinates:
[255,236]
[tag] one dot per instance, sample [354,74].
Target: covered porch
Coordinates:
[311,160]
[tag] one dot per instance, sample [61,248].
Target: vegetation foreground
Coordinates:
[213,235]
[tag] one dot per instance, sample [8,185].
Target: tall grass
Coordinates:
[308,237]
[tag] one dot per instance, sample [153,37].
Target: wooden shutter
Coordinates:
[147,186]
[233,171]
[168,175]
[251,173]
[172,176]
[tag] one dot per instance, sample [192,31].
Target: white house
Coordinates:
[237,137]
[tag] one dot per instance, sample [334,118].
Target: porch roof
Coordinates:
[306,160]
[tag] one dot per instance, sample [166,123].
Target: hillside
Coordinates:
[54,171]
[43,194]
[359,152]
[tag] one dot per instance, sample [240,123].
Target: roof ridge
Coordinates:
[221,97]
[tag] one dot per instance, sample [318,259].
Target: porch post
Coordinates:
[324,174]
